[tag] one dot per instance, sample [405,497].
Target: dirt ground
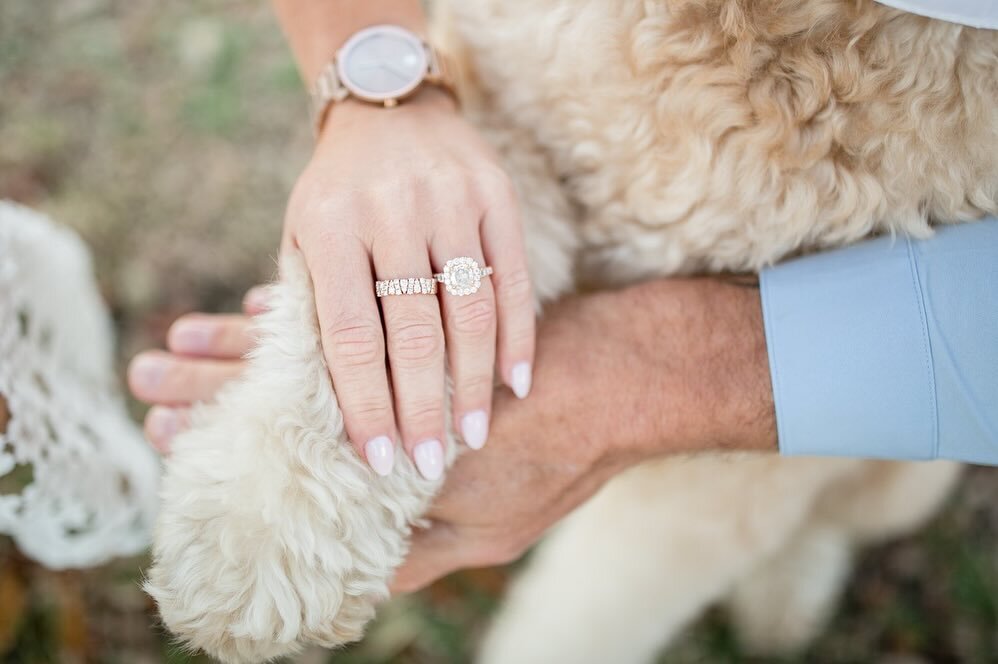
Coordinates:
[168,135]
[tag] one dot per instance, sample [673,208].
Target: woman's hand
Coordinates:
[392,193]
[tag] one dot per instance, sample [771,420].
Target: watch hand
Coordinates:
[383,47]
[404,77]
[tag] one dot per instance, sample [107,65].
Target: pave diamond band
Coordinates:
[415,286]
[462,276]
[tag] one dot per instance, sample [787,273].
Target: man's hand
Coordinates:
[205,351]
[663,368]
[668,367]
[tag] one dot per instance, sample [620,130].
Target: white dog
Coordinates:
[646,138]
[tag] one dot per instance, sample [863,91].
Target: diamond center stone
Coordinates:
[463,277]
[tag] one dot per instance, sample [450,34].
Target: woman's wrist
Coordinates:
[429,101]
[317,28]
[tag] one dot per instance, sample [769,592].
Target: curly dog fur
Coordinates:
[645,138]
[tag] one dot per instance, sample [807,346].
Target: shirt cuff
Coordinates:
[887,349]
[849,354]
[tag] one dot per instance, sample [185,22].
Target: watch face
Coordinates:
[382,62]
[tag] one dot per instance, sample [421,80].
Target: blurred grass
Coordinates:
[168,135]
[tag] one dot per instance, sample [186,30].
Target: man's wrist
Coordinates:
[703,362]
[746,417]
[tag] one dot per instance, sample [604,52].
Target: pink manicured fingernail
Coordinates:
[380,454]
[191,336]
[520,379]
[475,429]
[163,423]
[257,299]
[429,457]
[147,371]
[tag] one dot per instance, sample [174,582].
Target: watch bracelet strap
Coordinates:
[441,72]
[329,89]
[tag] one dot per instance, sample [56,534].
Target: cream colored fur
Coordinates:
[646,138]
[271,526]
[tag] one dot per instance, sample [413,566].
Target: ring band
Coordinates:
[416,286]
[462,275]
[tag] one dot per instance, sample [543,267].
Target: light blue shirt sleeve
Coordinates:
[975,13]
[888,349]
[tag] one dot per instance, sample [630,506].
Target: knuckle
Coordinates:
[399,191]
[514,288]
[319,216]
[355,342]
[425,413]
[519,342]
[474,316]
[416,342]
[370,410]
[452,189]
[309,199]
[444,177]
[477,384]
[500,186]
[331,210]
[335,217]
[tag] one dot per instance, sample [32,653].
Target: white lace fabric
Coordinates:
[77,481]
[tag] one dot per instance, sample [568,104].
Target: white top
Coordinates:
[975,13]
[85,480]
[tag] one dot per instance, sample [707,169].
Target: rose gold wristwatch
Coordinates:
[382,64]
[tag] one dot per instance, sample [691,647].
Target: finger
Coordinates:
[354,346]
[220,336]
[415,342]
[162,378]
[256,300]
[470,331]
[502,242]
[163,423]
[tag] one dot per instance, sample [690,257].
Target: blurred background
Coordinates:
[169,135]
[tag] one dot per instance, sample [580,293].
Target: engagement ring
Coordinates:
[462,276]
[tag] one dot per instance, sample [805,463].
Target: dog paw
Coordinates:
[273,534]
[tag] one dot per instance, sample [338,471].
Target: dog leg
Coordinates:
[889,499]
[621,576]
[784,604]
[778,608]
